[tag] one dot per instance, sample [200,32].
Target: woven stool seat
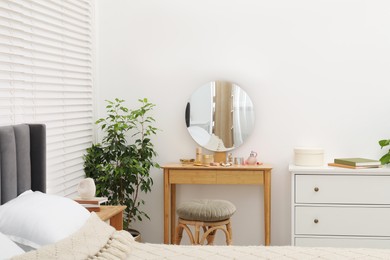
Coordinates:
[206,210]
[211,215]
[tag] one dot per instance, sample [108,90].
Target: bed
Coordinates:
[35,225]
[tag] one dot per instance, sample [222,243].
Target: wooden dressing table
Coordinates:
[189,174]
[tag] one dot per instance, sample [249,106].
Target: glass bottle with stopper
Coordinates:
[252,159]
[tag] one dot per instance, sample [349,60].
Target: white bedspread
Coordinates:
[97,240]
[158,251]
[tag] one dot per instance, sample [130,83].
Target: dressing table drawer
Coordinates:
[216,177]
[244,177]
[193,177]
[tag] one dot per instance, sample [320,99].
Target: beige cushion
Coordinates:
[206,210]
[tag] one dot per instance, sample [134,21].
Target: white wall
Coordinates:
[317,71]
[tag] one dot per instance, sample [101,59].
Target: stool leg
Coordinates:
[229,231]
[207,235]
[204,229]
[179,234]
[204,232]
[197,231]
[211,237]
[189,233]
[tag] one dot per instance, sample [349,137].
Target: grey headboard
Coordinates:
[22,160]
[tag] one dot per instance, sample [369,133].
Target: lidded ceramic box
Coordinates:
[308,156]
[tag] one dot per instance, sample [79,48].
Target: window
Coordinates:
[46,77]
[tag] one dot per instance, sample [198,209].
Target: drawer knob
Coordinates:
[316,189]
[316,221]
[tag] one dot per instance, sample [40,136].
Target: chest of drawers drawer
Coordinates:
[343,242]
[342,221]
[342,189]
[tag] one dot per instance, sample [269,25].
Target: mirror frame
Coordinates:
[224,116]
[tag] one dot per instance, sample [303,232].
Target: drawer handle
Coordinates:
[316,189]
[316,221]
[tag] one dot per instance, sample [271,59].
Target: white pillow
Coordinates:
[8,248]
[36,219]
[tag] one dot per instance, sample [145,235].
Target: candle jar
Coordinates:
[198,155]
[238,161]
[207,159]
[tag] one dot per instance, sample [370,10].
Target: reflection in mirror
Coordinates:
[220,116]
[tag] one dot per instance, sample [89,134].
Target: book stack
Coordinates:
[356,163]
[92,204]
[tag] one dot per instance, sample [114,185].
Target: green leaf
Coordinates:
[384,143]
[385,159]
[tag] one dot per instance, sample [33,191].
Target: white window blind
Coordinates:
[46,77]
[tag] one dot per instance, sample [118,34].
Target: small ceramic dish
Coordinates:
[187,161]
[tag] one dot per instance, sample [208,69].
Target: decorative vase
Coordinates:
[252,160]
[135,234]
[87,188]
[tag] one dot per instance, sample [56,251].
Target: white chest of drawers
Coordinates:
[340,207]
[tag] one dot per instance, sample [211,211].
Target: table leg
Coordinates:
[173,213]
[167,200]
[117,221]
[267,207]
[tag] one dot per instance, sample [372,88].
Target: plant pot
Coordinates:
[135,233]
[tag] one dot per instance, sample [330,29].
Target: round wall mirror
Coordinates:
[220,116]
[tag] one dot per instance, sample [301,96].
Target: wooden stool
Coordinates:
[211,215]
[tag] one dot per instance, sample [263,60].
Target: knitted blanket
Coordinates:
[95,240]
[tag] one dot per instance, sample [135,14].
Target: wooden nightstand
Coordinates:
[112,214]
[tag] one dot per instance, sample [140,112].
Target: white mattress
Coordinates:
[158,251]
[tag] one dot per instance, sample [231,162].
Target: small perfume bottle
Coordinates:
[230,158]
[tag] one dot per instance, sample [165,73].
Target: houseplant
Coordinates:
[385,159]
[120,164]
